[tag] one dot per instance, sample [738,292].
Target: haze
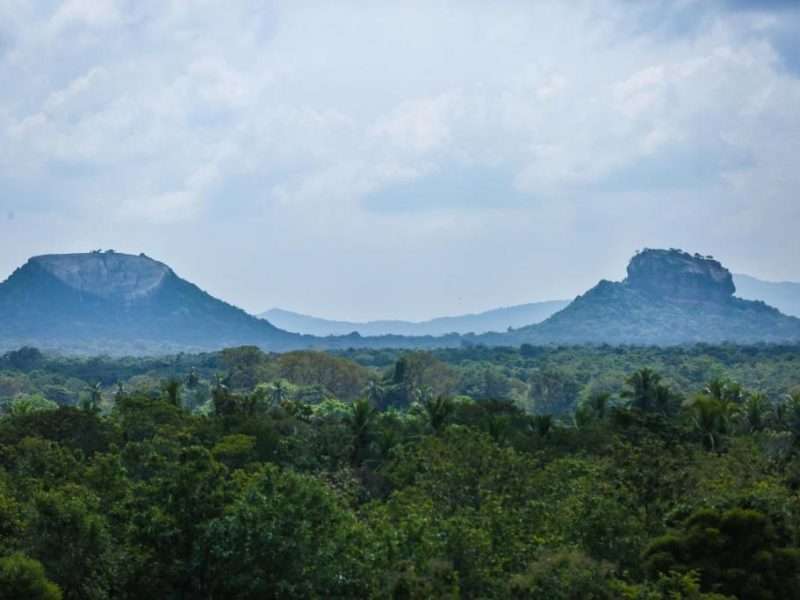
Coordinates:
[404,160]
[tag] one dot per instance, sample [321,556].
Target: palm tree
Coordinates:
[375,392]
[755,410]
[279,392]
[95,397]
[542,424]
[598,404]
[120,393]
[193,379]
[172,388]
[725,391]
[708,417]
[360,421]
[792,413]
[644,385]
[438,409]
[224,402]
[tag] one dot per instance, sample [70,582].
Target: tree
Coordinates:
[542,424]
[172,391]
[755,411]
[92,403]
[24,359]
[708,416]
[360,422]
[224,401]
[647,393]
[71,539]
[279,392]
[788,413]
[22,578]
[375,392]
[438,410]
[737,552]
[120,393]
[30,403]
[287,536]
[564,576]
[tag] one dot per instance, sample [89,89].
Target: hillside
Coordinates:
[498,319]
[119,303]
[669,297]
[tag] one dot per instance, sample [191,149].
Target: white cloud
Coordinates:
[297,113]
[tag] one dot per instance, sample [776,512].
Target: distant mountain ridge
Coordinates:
[783,295]
[498,319]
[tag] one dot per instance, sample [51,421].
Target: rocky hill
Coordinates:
[106,302]
[113,303]
[668,297]
[120,303]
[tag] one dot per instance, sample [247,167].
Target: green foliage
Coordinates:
[26,404]
[22,578]
[564,576]
[73,542]
[736,552]
[286,536]
[554,473]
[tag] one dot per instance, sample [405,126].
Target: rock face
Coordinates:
[680,276]
[106,274]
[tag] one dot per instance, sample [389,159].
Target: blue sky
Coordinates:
[364,160]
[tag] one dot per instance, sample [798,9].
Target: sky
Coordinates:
[362,160]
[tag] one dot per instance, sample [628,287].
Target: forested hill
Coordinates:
[669,297]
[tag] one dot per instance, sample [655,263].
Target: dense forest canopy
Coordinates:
[570,472]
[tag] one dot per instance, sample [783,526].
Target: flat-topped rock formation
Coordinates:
[106,274]
[680,276]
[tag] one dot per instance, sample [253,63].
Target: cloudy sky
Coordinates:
[405,159]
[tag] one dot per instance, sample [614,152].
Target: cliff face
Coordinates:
[679,276]
[105,274]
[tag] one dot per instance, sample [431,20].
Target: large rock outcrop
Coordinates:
[109,302]
[106,274]
[680,276]
[669,297]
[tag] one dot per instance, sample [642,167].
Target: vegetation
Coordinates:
[572,472]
